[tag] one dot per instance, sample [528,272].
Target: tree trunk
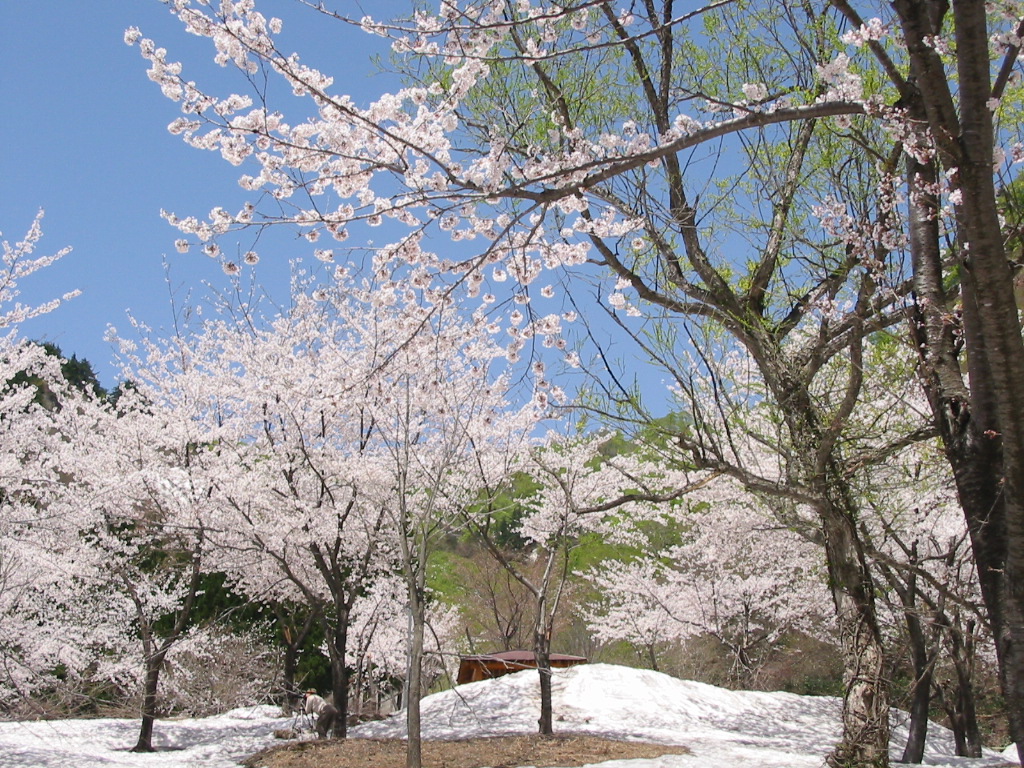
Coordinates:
[951,706]
[972,733]
[966,421]
[865,740]
[957,700]
[923,660]
[338,647]
[989,450]
[154,664]
[962,653]
[414,686]
[652,657]
[344,579]
[542,654]
[920,696]
[290,665]
[293,639]
[996,364]
[155,649]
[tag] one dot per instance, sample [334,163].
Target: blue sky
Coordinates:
[84,137]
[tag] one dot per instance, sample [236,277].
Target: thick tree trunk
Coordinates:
[865,740]
[966,421]
[289,667]
[987,454]
[969,432]
[995,458]
[154,664]
[920,698]
[996,365]
[337,649]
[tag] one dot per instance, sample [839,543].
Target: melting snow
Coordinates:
[724,729]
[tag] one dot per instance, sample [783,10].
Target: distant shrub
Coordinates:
[214,671]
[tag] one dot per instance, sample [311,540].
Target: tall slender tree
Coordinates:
[574,489]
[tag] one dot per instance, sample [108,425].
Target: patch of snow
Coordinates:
[723,729]
[210,742]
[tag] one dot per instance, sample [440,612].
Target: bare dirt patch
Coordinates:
[495,752]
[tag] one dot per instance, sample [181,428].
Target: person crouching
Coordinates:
[325,713]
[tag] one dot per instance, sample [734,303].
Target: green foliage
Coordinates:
[313,669]
[592,549]
[442,576]
[217,602]
[79,373]
[498,513]
[815,684]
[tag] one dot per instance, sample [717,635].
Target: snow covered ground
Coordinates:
[209,742]
[724,729]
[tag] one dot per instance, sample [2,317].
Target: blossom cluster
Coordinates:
[402,159]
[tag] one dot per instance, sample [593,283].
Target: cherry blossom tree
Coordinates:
[101,514]
[138,506]
[19,262]
[26,485]
[575,487]
[443,430]
[295,408]
[498,138]
[737,577]
[348,430]
[297,521]
[30,475]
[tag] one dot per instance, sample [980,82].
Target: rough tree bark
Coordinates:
[982,424]
[154,664]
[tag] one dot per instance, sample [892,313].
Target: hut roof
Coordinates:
[524,657]
[487,665]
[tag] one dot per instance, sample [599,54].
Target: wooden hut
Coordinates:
[488,665]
